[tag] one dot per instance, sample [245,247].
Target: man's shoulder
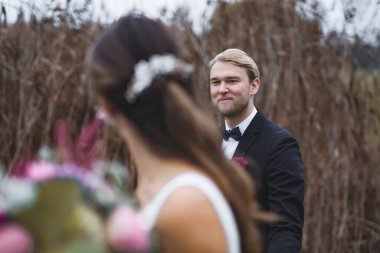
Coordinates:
[274,128]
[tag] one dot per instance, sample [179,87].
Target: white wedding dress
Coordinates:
[151,211]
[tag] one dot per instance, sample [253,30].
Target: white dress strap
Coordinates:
[151,211]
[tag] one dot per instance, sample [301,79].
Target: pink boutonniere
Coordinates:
[241,161]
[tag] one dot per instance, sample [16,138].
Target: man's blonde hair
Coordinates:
[240,59]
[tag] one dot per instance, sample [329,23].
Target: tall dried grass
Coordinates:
[315,90]
[43,78]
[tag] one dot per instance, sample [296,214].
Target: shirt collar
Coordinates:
[245,123]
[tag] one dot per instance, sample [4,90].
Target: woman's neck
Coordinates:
[153,170]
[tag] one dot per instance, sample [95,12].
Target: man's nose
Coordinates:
[223,88]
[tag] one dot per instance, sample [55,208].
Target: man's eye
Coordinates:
[232,81]
[214,83]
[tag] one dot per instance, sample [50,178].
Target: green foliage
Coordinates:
[51,221]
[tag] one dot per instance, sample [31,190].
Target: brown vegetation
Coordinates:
[314,89]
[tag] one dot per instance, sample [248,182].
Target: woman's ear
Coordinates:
[105,111]
[106,106]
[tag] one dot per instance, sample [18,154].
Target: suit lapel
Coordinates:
[250,134]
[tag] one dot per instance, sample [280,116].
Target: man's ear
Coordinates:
[255,85]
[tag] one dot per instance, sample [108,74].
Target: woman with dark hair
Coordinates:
[196,199]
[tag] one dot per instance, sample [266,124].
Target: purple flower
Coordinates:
[241,161]
[3,216]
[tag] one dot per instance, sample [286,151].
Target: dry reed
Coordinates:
[314,89]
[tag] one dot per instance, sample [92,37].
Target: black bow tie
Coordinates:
[233,133]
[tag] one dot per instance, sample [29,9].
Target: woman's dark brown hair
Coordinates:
[166,115]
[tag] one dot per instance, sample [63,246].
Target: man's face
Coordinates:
[231,92]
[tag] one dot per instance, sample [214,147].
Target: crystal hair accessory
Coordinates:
[145,71]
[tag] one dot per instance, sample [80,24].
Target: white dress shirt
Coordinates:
[229,146]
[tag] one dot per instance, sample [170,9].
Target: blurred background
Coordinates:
[320,65]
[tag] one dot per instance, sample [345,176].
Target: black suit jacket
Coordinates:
[275,164]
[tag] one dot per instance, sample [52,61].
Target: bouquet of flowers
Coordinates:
[63,201]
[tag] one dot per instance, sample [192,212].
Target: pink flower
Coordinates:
[39,171]
[20,167]
[15,239]
[63,141]
[84,149]
[125,231]
[241,161]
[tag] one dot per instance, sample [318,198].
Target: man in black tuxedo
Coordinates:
[273,154]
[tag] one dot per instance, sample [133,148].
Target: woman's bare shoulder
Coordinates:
[189,223]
